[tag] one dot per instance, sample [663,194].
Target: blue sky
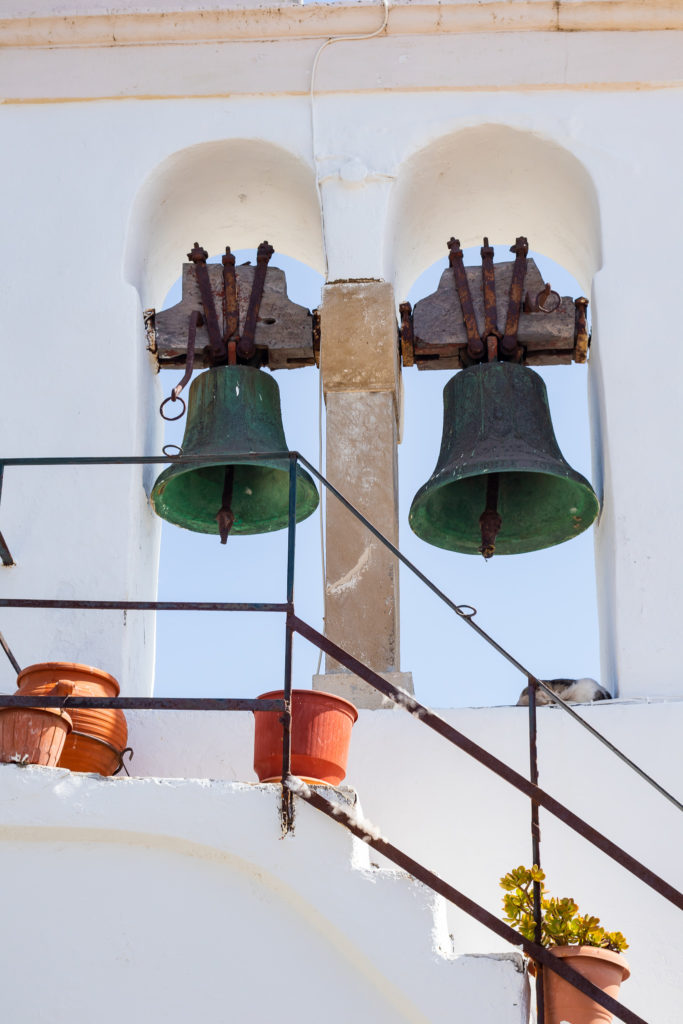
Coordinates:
[541,606]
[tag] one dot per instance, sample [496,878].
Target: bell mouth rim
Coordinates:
[429,530]
[304,507]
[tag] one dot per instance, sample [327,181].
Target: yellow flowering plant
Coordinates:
[561,923]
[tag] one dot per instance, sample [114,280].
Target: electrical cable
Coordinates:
[311,98]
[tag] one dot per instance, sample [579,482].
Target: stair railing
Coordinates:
[291,786]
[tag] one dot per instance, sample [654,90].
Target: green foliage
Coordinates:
[561,923]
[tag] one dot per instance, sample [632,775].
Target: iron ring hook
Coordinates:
[543,308]
[173,455]
[126,750]
[172,398]
[466,614]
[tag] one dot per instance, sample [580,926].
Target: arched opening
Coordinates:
[497,181]
[242,654]
[235,192]
[541,606]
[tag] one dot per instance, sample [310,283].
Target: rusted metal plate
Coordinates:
[440,335]
[284,330]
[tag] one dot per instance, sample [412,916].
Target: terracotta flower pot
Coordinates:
[34,735]
[563,1002]
[88,753]
[321,733]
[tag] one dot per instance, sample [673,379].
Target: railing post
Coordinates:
[287,795]
[536,848]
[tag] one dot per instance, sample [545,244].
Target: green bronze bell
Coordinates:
[501,482]
[233,410]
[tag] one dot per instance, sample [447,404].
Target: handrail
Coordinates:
[468,617]
[494,764]
[295,625]
[292,456]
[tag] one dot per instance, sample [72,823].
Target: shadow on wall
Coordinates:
[498,181]
[234,192]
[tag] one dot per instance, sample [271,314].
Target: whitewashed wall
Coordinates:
[180,899]
[125,155]
[457,818]
[116,130]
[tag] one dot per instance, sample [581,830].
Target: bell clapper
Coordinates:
[490,521]
[225,516]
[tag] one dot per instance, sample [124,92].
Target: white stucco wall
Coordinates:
[180,899]
[560,134]
[118,131]
[461,821]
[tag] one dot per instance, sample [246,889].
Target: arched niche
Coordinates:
[234,192]
[498,181]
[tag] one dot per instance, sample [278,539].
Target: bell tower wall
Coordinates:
[556,126]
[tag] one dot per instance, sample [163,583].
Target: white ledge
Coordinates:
[130,24]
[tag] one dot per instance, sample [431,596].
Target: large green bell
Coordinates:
[501,480]
[233,410]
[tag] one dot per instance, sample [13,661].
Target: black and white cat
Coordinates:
[574,691]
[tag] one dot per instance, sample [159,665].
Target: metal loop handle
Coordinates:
[126,750]
[172,455]
[469,614]
[173,398]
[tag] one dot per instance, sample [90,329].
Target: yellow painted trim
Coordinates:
[314,21]
[532,87]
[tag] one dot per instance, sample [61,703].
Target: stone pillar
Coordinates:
[362,387]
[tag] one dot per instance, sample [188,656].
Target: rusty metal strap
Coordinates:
[488,280]
[509,342]
[475,347]
[110,746]
[427,877]
[230,307]
[489,761]
[199,256]
[246,346]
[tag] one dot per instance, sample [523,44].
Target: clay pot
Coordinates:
[83,753]
[34,735]
[563,1002]
[321,733]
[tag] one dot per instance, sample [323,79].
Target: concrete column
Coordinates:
[361,382]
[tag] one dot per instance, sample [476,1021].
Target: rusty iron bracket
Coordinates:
[546,301]
[217,347]
[475,346]
[195,322]
[488,279]
[509,345]
[231,317]
[245,346]
[491,344]
[407,338]
[252,297]
[581,334]
[315,332]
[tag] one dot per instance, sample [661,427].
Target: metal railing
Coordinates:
[292,786]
